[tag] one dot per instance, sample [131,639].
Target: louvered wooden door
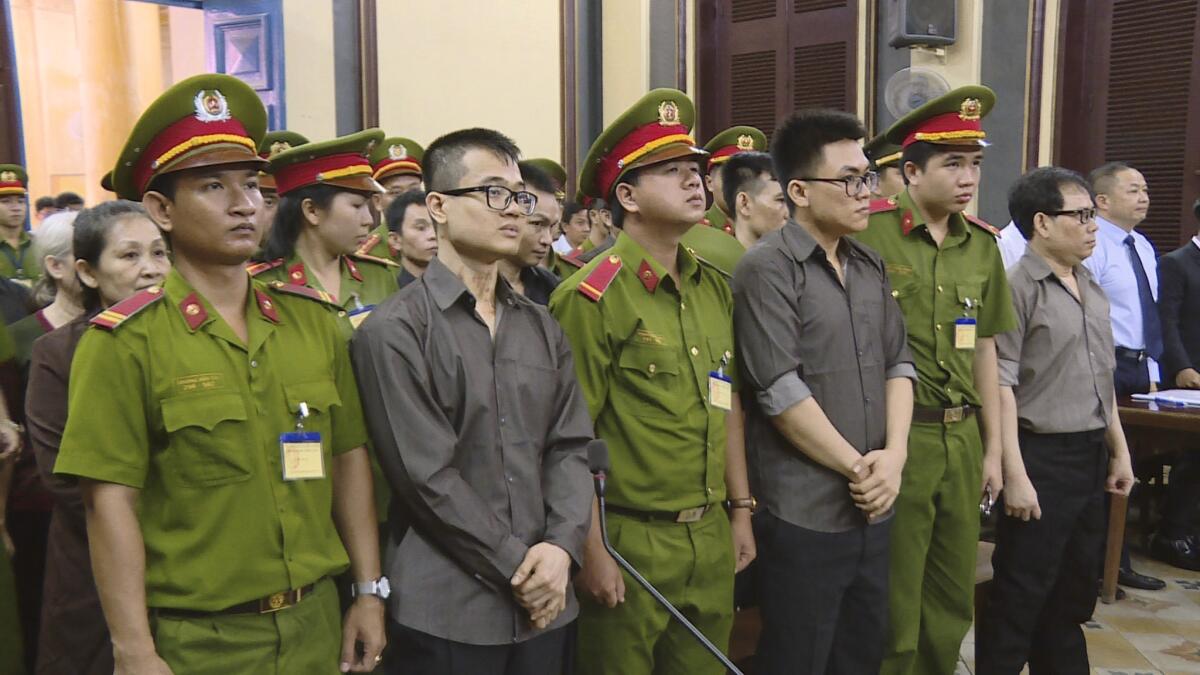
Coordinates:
[758,60]
[1131,92]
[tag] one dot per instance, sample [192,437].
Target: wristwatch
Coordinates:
[745,503]
[378,587]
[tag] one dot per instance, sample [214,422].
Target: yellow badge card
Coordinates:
[964,334]
[360,315]
[301,455]
[720,391]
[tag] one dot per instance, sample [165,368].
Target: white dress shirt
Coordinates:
[1110,265]
[1012,244]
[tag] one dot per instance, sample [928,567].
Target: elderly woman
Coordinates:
[57,291]
[118,252]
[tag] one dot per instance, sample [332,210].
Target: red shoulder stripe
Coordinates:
[118,313]
[598,281]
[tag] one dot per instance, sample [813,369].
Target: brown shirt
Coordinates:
[1060,359]
[801,333]
[483,443]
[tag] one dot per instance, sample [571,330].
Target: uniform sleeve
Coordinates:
[1010,342]
[1171,288]
[765,328]
[996,314]
[415,443]
[107,435]
[583,323]
[349,427]
[899,359]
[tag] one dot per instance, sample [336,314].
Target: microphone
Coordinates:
[597,453]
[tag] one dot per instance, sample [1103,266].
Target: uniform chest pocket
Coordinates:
[970,297]
[648,380]
[905,291]
[209,443]
[319,396]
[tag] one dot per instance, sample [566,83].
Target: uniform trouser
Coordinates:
[416,652]
[305,638]
[826,609]
[935,534]
[1044,584]
[689,563]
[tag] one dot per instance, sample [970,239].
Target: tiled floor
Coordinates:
[1147,633]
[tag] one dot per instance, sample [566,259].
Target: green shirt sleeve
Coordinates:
[996,315]
[349,427]
[583,322]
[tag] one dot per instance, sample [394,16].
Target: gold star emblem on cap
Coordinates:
[397,152]
[668,113]
[8,177]
[970,110]
[745,142]
[279,146]
[211,106]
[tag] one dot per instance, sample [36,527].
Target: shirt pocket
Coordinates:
[906,292]
[970,297]
[720,350]
[650,378]
[208,437]
[320,396]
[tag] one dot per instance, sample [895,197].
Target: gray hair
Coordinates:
[54,239]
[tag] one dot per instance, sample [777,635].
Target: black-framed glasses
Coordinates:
[499,197]
[852,184]
[1084,215]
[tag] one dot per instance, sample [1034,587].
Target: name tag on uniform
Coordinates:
[301,455]
[720,391]
[357,316]
[964,333]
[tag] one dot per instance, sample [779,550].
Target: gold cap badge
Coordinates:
[668,113]
[211,106]
[279,146]
[8,177]
[397,152]
[970,110]
[745,142]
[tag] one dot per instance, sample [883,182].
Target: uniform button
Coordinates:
[947,390]
[895,294]
[937,327]
[695,351]
[683,305]
[709,490]
[342,313]
[651,367]
[939,288]
[941,362]
[254,364]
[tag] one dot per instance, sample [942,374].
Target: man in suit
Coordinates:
[1179,312]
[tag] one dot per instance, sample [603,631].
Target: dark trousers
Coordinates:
[416,652]
[1045,570]
[1183,495]
[1131,377]
[825,600]
[29,530]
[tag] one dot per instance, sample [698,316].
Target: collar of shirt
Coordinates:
[647,269]
[1116,234]
[198,314]
[802,246]
[1039,269]
[912,220]
[447,288]
[22,241]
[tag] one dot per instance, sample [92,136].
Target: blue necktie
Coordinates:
[1151,330]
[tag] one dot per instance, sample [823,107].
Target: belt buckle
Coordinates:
[274,603]
[950,415]
[691,515]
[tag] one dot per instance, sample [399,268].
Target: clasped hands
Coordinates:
[540,583]
[875,481]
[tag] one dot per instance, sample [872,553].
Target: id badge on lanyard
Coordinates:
[301,453]
[720,387]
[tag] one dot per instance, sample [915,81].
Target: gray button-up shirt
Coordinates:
[1060,359]
[483,443]
[801,333]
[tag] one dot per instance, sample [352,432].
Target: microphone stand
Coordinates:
[598,478]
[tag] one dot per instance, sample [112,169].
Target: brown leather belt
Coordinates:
[691,515]
[265,605]
[942,415]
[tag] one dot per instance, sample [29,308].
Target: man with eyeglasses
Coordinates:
[821,341]
[1063,443]
[652,330]
[947,274]
[471,401]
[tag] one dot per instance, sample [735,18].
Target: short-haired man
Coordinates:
[522,271]
[1124,264]
[576,230]
[652,329]
[411,235]
[756,201]
[480,426]
[720,148]
[215,425]
[948,277]
[19,256]
[1062,437]
[821,341]
[396,165]
[43,207]
[68,201]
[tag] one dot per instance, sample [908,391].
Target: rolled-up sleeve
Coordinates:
[766,331]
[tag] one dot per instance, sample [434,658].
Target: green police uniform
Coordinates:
[273,143]
[395,156]
[949,295]
[555,171]
[720,148]
[644,348]
[712,244]
[365,282]
[21,263]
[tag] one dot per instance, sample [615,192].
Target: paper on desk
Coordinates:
[1187,397]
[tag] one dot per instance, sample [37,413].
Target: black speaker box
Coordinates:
[924,22]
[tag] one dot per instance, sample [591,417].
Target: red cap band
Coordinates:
[638,143]
[329,167]
[946,129]
[185,136]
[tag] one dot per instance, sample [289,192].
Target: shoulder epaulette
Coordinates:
[368,244]
[374,259]
[883,205]
[982,224]
[573,258]
[709,263]
[599,279]
[303,291]
[114,316]
[258,268]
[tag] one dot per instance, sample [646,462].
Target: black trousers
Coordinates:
[413,652]
[824,599]
[1044,585]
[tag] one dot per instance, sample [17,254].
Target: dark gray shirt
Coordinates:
[801,333]
[1060,359]
[483,443]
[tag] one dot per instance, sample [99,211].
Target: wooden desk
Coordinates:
[1147,427]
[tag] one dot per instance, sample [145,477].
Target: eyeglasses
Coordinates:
[852,184]
[1084,215]
[499,197]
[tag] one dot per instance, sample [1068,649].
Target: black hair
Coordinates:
[443,165]
[599,205]
[744,172]
[570,209]
[536,179]
[164,184]
[618,211]
[920,152]
[798,143]
[1040,191]
[44,203]
[394,217]
[1101,177]
[92,227]
[289,219]
[66,199]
